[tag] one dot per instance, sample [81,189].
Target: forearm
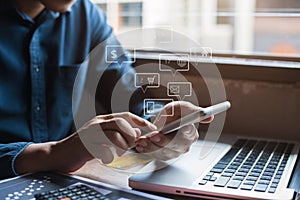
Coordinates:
[66,155]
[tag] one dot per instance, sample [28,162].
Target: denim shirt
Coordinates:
[39,60]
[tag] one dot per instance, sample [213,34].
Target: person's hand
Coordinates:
[165,147]
[100,137]
[114,133]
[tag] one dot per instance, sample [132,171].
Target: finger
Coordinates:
[117,139]
[181,140]
[107,156]
[133,120]
[104,154]
[160,153]
[185,138]
[180,143]
[138,132]
[121,126]
[173,111]
[208,120]
[147,145]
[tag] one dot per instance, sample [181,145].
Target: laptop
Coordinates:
[234,167]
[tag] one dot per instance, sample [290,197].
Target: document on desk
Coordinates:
[130,160]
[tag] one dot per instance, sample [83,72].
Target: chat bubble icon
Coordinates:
[174,63]
[119,54]
[146,80]
[179,89]
[154,106]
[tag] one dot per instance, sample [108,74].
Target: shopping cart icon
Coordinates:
[146,80]
[151,80]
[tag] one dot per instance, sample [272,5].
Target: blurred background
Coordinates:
[251,27]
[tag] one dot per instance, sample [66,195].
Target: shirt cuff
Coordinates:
[19,151]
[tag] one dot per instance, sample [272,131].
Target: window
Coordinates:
[247,27]
[131,14]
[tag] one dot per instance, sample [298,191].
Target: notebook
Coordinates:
[234,167]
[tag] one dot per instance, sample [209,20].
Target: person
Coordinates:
[42,43]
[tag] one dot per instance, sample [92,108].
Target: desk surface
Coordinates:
[95,171]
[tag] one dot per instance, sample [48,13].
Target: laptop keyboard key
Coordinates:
[220,166]
[227,174]
[279,173]
[239,144]
[268,178]
[240,178]
[222,181]
[206,177]
[261,187]
[230,171]
[241,174]
[256,170]
[264,182]
[244,170]
[202,182]
[251,178]
[277,176]
[228,156]
[276,180]
[249,183]
[235,167]
[254,174]
[272,190]
[210,174]
[274,185]
[234,184]
[247,187]
[216,170]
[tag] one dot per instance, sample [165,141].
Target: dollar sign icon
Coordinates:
[113,54]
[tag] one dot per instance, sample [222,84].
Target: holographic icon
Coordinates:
[113,54]
[179,89]
[181,60]
[146,80]
[154,106]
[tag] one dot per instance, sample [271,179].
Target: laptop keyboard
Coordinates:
[251,165]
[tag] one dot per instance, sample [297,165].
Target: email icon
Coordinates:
[175,89]
[179,89]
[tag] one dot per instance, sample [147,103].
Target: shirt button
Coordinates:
[38,108]
[37,68]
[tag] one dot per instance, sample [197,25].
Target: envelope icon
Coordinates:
[175,89]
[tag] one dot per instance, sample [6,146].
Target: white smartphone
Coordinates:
[195,117]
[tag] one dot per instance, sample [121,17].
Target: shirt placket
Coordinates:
[38,95]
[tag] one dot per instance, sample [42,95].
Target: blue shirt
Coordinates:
[39,60]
